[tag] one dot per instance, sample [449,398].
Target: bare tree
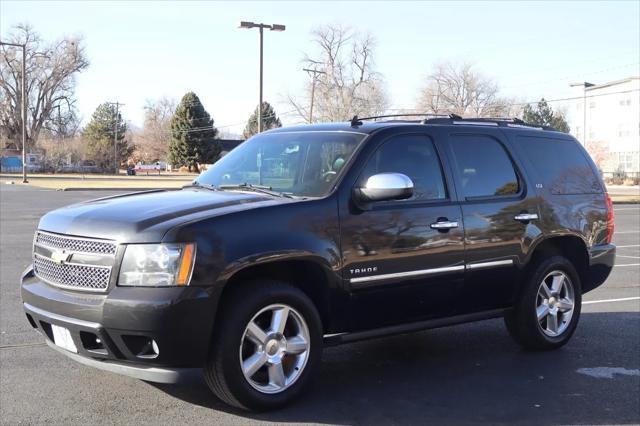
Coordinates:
[349,84]
[152,144]
[60,152]
[460,89]
[50,83]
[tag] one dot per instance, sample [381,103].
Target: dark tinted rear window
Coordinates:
[561,165]
[483,166]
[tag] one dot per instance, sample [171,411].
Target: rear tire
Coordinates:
[547,311]
[266,345]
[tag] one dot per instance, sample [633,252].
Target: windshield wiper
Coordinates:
[255,188]
[196,184]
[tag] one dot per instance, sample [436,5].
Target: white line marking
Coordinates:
[627,208]
[630,257]
[633,245]
[627,232]
[607,372]
[628,264]
[624,299]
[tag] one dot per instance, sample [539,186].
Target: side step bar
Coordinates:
[341,338]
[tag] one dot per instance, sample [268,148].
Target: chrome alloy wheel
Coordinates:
[554,303]
[274,348]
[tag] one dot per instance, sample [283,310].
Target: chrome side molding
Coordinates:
[407,274]
[420,272]
[491,264]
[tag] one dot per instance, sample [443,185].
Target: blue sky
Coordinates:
[143,50]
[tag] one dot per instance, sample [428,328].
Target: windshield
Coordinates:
[298,163]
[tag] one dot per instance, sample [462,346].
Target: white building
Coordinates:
[610,113]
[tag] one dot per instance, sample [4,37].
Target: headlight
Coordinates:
[157,265]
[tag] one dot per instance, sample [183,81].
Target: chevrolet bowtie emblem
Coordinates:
[60,256]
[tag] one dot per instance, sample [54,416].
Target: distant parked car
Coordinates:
[146,168]
[88,166]
[83,166]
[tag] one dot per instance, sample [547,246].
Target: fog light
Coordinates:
[142,346]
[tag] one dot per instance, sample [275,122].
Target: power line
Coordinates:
[538,71]
[571,78]
[205,128]
[546,100]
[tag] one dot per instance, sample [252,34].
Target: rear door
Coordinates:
[499,211]
[403,260]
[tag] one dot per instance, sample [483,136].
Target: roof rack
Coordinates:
[357,121]
[455,119]
[489,121]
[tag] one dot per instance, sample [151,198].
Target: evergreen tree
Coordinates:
[193,136]
[543,115]
[269,121]
[99,135]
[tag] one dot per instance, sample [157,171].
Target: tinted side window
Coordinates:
[561,165]
[484,167]
[414,156]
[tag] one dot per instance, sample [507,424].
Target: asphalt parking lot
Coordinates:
[463,374]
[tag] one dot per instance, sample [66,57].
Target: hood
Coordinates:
[147,216]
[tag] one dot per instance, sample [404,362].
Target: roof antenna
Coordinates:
[355,122]
[455,116]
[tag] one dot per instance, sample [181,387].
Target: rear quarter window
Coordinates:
[561,165]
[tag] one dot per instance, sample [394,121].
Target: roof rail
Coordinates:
[357,121]
[489,121]
[456,119]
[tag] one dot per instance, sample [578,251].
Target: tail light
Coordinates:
[610,217]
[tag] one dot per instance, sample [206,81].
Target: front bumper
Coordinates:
[112,331]
[602,258]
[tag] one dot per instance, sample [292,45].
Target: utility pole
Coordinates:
[313,89]
[261,27]
[115,136]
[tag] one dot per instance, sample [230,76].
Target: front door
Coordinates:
[404,260]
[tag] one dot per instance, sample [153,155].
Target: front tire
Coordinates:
[546,314]
[266,345]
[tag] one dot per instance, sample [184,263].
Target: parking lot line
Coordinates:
[624,299]
[630,257]
[633,245]
[628,264]
[627,232]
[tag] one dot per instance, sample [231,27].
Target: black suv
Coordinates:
[317,235]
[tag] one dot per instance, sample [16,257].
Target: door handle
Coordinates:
[444,225]
[526,217]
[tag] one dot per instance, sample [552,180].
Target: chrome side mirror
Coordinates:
[386,187]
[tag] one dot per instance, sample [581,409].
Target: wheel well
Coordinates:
[571,247]
[306,275]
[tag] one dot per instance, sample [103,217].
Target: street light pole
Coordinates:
[260,98]
[313,89]
[584,85]
[23,106]
[261,27]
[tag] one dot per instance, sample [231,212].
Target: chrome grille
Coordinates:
[80,245]
[72,262]
[71,275]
